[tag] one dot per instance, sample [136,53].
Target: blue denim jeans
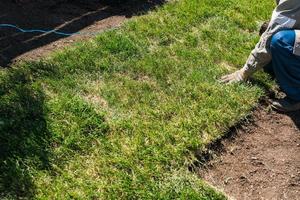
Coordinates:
[286,65]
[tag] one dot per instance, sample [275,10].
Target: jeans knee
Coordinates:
[283,39]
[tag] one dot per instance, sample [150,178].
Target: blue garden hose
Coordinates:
[37,30]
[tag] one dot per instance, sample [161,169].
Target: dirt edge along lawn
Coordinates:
[120,116]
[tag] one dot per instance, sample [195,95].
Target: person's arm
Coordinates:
[261,55]
[258,58]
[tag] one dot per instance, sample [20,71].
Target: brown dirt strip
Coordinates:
[260,160]
[105,24]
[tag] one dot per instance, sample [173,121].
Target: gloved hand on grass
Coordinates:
[241,75]
[235,77]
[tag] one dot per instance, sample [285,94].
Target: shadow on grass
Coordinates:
[24,138]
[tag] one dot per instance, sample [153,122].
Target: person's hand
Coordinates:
[235,77]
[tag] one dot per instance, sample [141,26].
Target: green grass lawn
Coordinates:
[120,116]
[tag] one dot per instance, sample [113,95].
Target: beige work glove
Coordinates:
[235,77]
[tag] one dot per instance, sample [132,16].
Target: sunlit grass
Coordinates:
[120,116]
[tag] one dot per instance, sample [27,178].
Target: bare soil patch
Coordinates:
[260,160]
[65,16]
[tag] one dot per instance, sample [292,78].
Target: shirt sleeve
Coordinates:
[261,54]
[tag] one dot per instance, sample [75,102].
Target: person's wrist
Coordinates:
[243,73]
